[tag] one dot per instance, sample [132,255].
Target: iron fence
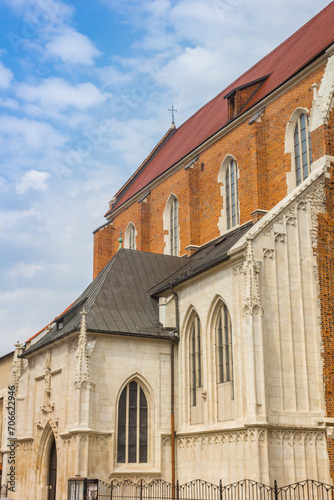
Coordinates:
[202,490]
[92,489]
[307,489]
[246,490]
[104,491]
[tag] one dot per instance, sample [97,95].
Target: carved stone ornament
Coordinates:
[84,351]
[48,408]
[290,220]
[292,438]
[280,237]
[47,420]
[47,376]
[323,100]
[330,432]
[302,206]
[317,200]
[251,269]
[221,438]
[237,269]
[17,366]
[308,193]
[268,253]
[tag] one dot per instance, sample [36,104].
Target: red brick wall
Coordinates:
[259,149]
[144,237]
[325,259]
[103,248]
[194,201]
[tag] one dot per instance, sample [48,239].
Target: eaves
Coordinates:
[244,116]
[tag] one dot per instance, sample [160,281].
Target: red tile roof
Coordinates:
[57,317]
[281,64]
[35,334]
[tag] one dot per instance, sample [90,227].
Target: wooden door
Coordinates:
[53,473]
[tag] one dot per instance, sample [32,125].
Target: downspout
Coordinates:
[172,392]
[172,415]
[176,295]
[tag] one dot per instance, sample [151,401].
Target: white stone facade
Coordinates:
[83,419]
[266,423]
[271,425]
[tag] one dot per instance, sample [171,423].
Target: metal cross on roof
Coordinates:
[173,111]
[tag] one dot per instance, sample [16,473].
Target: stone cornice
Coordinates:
[84,430]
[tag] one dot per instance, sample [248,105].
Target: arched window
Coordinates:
[195,359]
[174,224]
[224,346]
[132,433]
[130,237]
[231,195]
[171,226]
[302,148]
[298,145]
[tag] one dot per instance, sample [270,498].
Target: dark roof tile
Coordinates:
[209,255]
[117,300]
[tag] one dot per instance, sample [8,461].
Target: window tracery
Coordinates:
[132,430]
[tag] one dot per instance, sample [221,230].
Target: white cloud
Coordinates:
[22,134]
[58,93]
[200,72]
[42,12]
[33,180]
[9,103]
[9,218]
[24,311]
[25,270]
[137,132]
[72,48]
[6,76]
[111,76]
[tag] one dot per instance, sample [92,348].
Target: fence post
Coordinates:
[85,489]
[141,489]
[177,489]
[220,490]
[111,485]
[275,490]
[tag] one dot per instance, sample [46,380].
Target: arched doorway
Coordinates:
[52,472]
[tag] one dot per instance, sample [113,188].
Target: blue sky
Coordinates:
[85,88]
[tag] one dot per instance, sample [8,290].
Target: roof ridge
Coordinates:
[90,286]
[284,42]
[82,298]
[245,72]
[143,164]
[282,63]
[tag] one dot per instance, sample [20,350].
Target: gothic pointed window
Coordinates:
[224,346]
[231,195]
[171,226]
[302,148]
[130,237]
[195,359]
[132,432]
[174,223]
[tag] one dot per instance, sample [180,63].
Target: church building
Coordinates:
[203,348]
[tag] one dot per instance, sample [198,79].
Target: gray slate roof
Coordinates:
[117,301]
[121,298]
[209,255]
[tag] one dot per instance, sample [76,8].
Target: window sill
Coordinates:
[134,469]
